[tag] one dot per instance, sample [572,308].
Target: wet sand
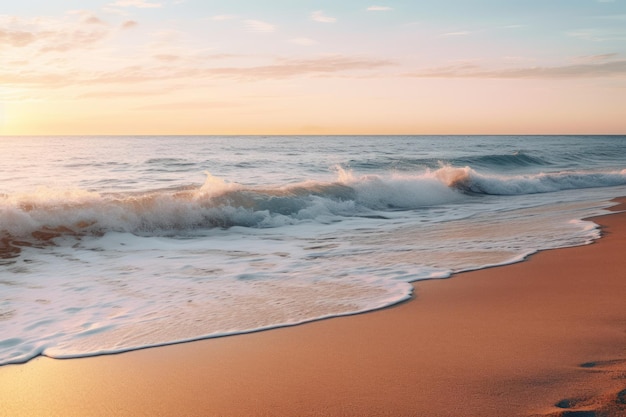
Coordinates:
[543,337]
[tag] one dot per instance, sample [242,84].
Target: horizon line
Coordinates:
[306,134]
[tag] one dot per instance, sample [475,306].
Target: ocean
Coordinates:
[109,244]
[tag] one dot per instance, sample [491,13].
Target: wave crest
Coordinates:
[468,180]
[219,203]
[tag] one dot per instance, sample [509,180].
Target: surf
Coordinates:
[219,203]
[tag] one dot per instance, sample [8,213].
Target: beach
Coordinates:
[543,337]
[313,208]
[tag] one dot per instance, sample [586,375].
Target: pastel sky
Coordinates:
[312,67]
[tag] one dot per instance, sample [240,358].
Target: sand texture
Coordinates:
[544,337]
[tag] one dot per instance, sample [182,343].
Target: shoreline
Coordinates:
[503,340]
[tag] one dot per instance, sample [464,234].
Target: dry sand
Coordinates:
[542,337]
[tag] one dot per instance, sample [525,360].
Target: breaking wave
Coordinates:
[48,213]
[468,180]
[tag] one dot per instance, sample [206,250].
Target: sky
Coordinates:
[298,67]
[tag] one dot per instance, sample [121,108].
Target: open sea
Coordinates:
[109,244]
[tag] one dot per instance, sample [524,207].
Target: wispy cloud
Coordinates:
[136,74]
[379,9]
[48,35]
[596,58]
[129,24]
[582,70]
[35,79]
[220,17]
[287,68]
[122,94]
[141,4]
[76,40]
[599,34]
[190,105]
[319,16]
[303,41]
[93,20]
[612,17]
[166,57]
[458,33]
[259,26]
[16,38]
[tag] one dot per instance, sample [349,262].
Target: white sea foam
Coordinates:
[93,296]
[123,291]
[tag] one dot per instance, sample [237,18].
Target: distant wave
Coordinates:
[497,162]
[516,159]
[47,214]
